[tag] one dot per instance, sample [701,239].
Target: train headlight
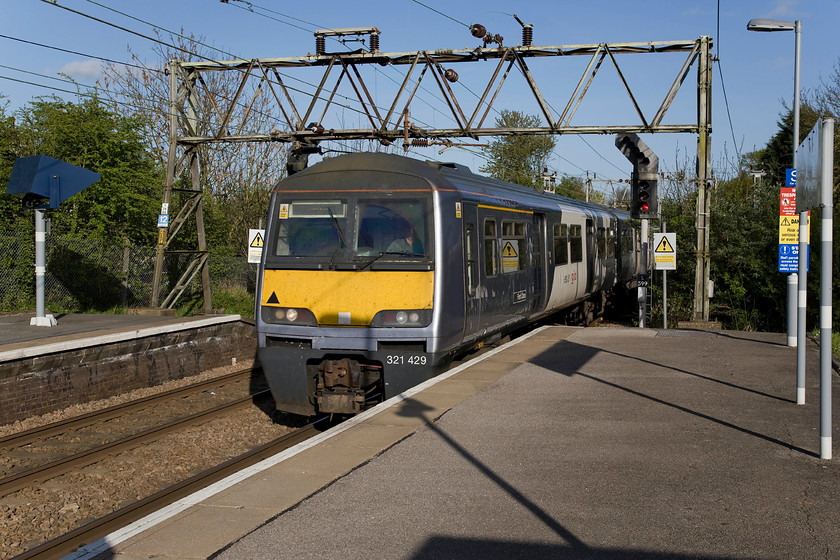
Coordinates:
[402,318]
[288,316]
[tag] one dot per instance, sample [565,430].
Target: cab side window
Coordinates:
[491,250]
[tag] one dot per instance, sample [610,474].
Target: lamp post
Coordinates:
[796,321]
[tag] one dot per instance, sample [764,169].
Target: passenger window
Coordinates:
[513,246]
[575,243]
[469,257]
[490,248]
[561,244]
[602,242]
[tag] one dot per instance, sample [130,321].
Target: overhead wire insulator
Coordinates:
[478,31]
[374,42]
[420,142]
[451,75]
[527,35]
[320,44]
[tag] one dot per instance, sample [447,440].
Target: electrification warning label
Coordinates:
[256,240]
[665,251]
[510,256]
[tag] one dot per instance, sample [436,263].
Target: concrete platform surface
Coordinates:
[16,331]
[17,334]
[572,443]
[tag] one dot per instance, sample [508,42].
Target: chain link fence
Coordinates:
[88,275]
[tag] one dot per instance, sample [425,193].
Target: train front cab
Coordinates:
[346,307]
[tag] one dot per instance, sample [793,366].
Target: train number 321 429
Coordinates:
[405,359]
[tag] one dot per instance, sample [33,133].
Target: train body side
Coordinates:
[342,315]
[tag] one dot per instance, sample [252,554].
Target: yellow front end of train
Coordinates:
[351,298]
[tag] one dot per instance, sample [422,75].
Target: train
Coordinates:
[379,269]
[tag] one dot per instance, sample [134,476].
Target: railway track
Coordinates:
[119,463]
[62,543]
[43,451]
[69,542]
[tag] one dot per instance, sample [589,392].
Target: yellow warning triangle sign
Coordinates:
[664,246]
[508,251]
[785,222]
[258,241]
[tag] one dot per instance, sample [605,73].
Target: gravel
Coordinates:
[35,515]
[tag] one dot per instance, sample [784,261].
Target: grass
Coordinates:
[835,341]
[235,300]
[835,344]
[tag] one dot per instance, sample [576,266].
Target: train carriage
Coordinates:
[379,269]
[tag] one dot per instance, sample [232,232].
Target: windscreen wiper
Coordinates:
[340,235]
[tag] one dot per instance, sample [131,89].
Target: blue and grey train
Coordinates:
[379,269]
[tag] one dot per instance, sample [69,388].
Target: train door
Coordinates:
[506,279]
[472,307]
[542,262]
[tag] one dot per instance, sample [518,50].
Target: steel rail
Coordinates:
[64,465]
[56,428]
[99,528]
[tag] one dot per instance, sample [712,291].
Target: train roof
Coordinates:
[439,175]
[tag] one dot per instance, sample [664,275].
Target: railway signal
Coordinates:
[644,185]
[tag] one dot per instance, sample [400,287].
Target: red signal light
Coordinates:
[644,206]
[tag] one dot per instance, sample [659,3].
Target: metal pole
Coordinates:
[802,276]
[642,294]
[827,241]
[41,319]
[792,283]
[797,53]
[802,302]
[170,179]
[664,291]
[664,299]
[704,108]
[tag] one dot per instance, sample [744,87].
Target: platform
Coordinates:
[90,357]
[17,333]
[570,443]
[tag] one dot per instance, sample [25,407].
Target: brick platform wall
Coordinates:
[41,384]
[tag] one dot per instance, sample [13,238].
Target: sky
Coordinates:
[753,72]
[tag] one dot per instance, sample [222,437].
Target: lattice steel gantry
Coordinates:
[199,115]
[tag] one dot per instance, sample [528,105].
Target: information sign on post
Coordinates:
[256,240]
[789,227]
[665,251]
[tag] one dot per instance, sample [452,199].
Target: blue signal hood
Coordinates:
[45,182]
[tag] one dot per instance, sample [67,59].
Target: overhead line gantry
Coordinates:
[200,116]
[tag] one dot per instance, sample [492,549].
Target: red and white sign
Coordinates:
[787,202]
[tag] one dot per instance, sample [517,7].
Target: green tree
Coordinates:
[777,155]
[571,186]
[124,202]
[236,178]
[519,158]
[749,292]
[12,216]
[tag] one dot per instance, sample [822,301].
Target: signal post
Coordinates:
[644,203]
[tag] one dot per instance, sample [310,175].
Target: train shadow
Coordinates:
[573,547]
[569,359]
[483,549]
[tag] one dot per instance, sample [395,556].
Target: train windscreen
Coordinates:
[343,229]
